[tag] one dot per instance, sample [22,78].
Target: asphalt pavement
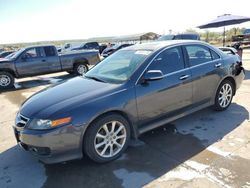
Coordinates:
[204,149]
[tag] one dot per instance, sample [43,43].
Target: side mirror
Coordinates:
[152,75]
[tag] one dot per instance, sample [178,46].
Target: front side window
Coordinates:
[31,53]
[168,61]
[198,54]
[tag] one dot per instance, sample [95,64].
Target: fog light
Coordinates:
[39,150]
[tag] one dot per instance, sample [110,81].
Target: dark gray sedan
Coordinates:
[132,91]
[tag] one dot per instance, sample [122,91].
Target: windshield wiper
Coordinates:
[95,78]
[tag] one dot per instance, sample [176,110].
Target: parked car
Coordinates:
[102,47]
[130,92]
[246,32]
[112,49]
[87,46]
[229,50]
[232,51]
[187,36]
[5,53]
[38,60]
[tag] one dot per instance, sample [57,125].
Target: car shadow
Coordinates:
[156,153]
[38,81]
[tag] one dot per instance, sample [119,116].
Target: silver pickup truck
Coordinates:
[38,60]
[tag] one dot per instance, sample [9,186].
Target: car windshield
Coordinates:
[10,55]
[82,44]
[166,37]
[15,54]
[186,36]
[118,67]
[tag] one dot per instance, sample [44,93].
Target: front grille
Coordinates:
[21,120]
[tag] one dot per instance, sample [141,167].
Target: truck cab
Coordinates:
[37,60]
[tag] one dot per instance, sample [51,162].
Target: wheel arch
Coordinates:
[231,79]
[133,131]
[81,60]
[9,71]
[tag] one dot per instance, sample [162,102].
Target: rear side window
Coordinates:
[214,55]
[168,61]
[198,54]
[49,51]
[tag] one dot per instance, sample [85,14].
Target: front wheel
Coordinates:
[6,80]
[224,96]
[107,138]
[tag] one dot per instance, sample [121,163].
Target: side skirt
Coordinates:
[172,118]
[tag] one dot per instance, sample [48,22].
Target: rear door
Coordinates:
[31,62]
[171,94]
[205,66]
[52,59]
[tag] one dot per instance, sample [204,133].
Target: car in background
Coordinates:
[108,51]
[230,51]
[5,53]
[134,90]
[102,47]
[188,36]
[88,46]
[246,32]
[44,59]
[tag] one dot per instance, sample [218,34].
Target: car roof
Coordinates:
[157,45]
[40,46]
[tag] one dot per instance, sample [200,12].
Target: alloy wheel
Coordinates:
[110,139]
[225,95]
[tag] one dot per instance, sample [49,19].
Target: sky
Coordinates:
[45,20]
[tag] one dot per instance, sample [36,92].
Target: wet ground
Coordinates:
[205,149]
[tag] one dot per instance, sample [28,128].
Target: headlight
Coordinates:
[41,124]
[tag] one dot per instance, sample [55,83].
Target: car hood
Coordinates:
[72,92]
[4,60]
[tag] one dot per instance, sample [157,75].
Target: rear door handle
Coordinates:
[184,77]
[44,60]
[217,65]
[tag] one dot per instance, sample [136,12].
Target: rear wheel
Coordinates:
[6,80]
[107,138]
[224,96]
[80,68]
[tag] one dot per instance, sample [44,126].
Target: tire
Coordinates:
[99,140]
[80,68]
[6,80]
[224,93]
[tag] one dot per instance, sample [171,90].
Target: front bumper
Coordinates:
[52,146]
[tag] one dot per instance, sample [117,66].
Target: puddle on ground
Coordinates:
[140,164]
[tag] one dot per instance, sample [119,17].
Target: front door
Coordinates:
[160,98]
[31,63]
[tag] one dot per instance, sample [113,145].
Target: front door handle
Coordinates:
[44,60]
[184,77]
[217,65]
